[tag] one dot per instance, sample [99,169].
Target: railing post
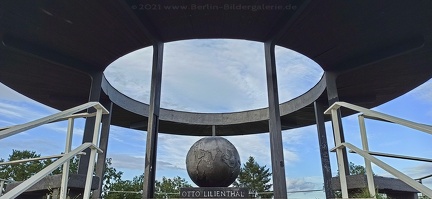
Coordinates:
[339,153]
[2,182]
[368,166]
[65,173]
[103,145]
[91,165]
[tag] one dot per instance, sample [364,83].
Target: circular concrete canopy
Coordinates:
[379,49]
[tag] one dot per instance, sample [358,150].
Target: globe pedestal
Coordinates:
[214,192]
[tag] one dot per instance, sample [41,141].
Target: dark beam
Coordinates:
[286,22]
[332,95]
[324,152]
[153,122]
[276,145]
[103,144]
[388,51]
[46,54]
[142,21]
[94,96]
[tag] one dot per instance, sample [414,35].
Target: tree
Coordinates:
[254,177]
[130,189]
[23,171]
[115,187]
[356,169]
[170,188]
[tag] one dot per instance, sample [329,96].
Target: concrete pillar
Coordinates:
[276,145]
[324,152]
[103,144]
[333,97]
[153,122]
[94,95]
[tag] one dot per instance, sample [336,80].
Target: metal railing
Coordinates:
[368,155]
[65,158]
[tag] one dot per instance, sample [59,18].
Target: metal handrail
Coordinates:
[413,183]
[36,159]
[46,171]
[365,153]
[380,116]
[49,119]
[69,115]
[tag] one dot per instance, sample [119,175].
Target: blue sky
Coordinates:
[226,76]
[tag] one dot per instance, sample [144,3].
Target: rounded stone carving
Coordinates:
[213,162]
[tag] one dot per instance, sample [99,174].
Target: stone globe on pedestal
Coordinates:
[213,162]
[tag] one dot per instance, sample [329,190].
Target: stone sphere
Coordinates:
[213,162]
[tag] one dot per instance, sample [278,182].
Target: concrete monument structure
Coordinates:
[56,52]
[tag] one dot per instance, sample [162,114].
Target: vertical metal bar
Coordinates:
[332,95]
[276,145]
[94,96]
[153,122]
[2,182]
[103,145]
[213,130]
[368,165]
[324,152]
[340,157]
[95,141]
[65,173]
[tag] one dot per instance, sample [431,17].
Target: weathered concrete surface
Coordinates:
[50,184]
[394,188]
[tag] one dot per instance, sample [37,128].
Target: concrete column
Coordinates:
[103,144]
[94,96]
[153,122]
[333,97]
[324,152]
[276,146]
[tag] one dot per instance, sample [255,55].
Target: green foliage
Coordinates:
[364,193]
[23,171]
[113,186]
[170,188]
[254,177]
[356,169]
[129,189]
[360,193]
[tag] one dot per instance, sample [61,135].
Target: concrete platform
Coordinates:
[394,188]
[51,184]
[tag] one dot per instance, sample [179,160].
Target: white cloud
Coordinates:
[300,184]
[213,75]
[18,110]
[424,91]
[11,95]
[126,161]
[296,73]
[40,145]
[173,149]
[419,170]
